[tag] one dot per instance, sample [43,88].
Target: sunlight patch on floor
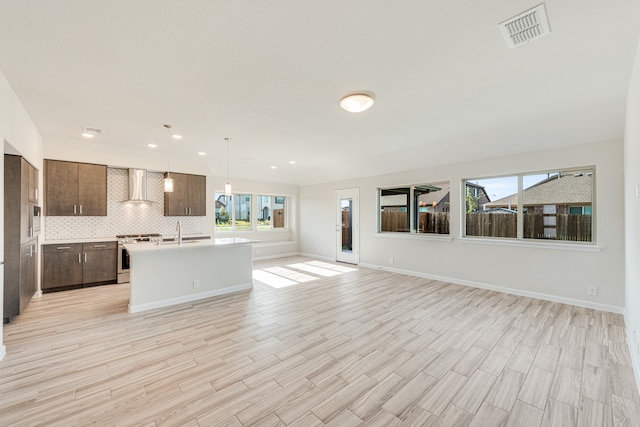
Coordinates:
[340,268]
[291,274]
[281,277]
[315,270]
[272,280]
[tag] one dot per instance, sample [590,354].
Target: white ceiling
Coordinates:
[270,75]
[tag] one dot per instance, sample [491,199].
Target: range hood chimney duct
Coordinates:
[137,185]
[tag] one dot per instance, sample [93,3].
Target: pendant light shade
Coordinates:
[168,181]
[227,186]
[168,184]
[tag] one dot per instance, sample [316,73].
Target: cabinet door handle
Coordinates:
[85,257]
[74,209]
[30,250]
[30,231]
[79,259]
[80,209]
[186,211]
[189,211]
[36,191]
[35,249]
[99,246]
[60,248]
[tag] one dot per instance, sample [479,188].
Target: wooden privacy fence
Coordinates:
[575,228]
[428,222]
[278,218]
[346,231]
[492,225]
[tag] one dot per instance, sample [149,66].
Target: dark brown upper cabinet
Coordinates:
[189,196]
[75,189]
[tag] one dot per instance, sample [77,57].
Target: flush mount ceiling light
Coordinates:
[357,102]
[90,132]
[152,145]
[176,136]
[201,153]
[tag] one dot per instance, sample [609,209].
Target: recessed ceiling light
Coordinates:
[357,102]
[274,167]
[176,136]
[201,153]
[152,145]
[90,132]
[292,162]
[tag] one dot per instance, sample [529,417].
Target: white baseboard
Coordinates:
[262,258]
[3,351]
[189,298]
[324,258]
[537,295]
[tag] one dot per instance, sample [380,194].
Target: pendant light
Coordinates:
[168,181]
[227,186]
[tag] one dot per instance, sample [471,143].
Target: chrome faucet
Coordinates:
[179,230]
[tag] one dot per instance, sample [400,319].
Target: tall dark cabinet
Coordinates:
[21,225]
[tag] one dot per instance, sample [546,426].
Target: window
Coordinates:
[484,219]
[420,208]
[233,212]
[559,205]
[242,211]
[271,212]
[556,205]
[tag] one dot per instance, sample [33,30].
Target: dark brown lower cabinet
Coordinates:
[100,262]
[28,268]
[61,266]
[78,264]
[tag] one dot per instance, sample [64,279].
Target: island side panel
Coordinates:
[163,278]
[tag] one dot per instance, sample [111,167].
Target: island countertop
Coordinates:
[146,247]
[169,273]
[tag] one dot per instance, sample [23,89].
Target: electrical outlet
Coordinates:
[196,284]
[391,260]
[592,291]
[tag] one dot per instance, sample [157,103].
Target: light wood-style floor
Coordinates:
[329,345]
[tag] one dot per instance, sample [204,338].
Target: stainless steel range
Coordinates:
[123,255]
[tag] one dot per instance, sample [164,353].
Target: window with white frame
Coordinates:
[556,205]
[233,213]
[422,208]
[236,212]
[271,212]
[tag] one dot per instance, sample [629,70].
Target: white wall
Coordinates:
[556,274]
[18,130]
[632,214]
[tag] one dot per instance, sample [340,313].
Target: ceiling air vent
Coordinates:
[527,26]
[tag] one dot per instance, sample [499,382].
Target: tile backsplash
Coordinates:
[123,217]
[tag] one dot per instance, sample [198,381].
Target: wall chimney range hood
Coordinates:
[138,186]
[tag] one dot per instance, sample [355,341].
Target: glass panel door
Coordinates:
[347,236]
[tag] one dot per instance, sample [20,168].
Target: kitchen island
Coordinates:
[171,273]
